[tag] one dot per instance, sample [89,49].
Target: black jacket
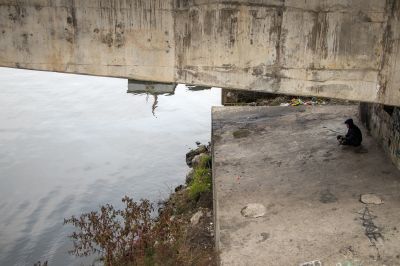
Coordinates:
[353,136]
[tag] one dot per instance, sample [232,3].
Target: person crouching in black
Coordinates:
[353,136]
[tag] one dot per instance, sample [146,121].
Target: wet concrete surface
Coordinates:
[288,161]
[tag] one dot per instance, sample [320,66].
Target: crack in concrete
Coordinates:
[372,231]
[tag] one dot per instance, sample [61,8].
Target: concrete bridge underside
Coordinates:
[332,48]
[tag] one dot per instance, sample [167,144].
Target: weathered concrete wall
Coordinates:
[389,78]
[383,122]
[334,48]
[325,48]
[120,38]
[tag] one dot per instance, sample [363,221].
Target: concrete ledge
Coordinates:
[288,160]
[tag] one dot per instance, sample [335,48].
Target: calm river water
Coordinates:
[69,143]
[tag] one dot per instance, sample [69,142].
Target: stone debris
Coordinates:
[196,217]
[179,188]
[300,101]
[191,154]
[253,210]
[371,199]
[311,263]
[197,159]
[189,177]
[347,251]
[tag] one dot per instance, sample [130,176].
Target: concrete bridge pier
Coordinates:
[345,49]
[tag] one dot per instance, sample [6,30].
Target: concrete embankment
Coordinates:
[285,193]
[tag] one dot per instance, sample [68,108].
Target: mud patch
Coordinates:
[119,35]
[264,237]
[69,20]
[217,138]
[326,196]
[241,133]
[107,39]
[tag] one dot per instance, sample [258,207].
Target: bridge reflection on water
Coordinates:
[156,89]
[70,143]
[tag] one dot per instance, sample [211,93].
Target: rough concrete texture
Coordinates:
[383,123]
[335,48]
[119,38]
[288,160]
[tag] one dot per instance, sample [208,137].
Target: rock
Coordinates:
[371,199]
[347,251]
[196,217]
[201,149]
[312,263]
[189,177]
[191,154]
[179,188]
[197,159]
[205,200]
[253,210]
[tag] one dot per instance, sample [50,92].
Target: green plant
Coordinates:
[202,180]
[205,161]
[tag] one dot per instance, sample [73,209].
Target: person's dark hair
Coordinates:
[349,122]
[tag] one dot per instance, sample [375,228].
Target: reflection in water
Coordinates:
[70,143]
[138,87]
[198,88]
[154,106]
[151,88]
